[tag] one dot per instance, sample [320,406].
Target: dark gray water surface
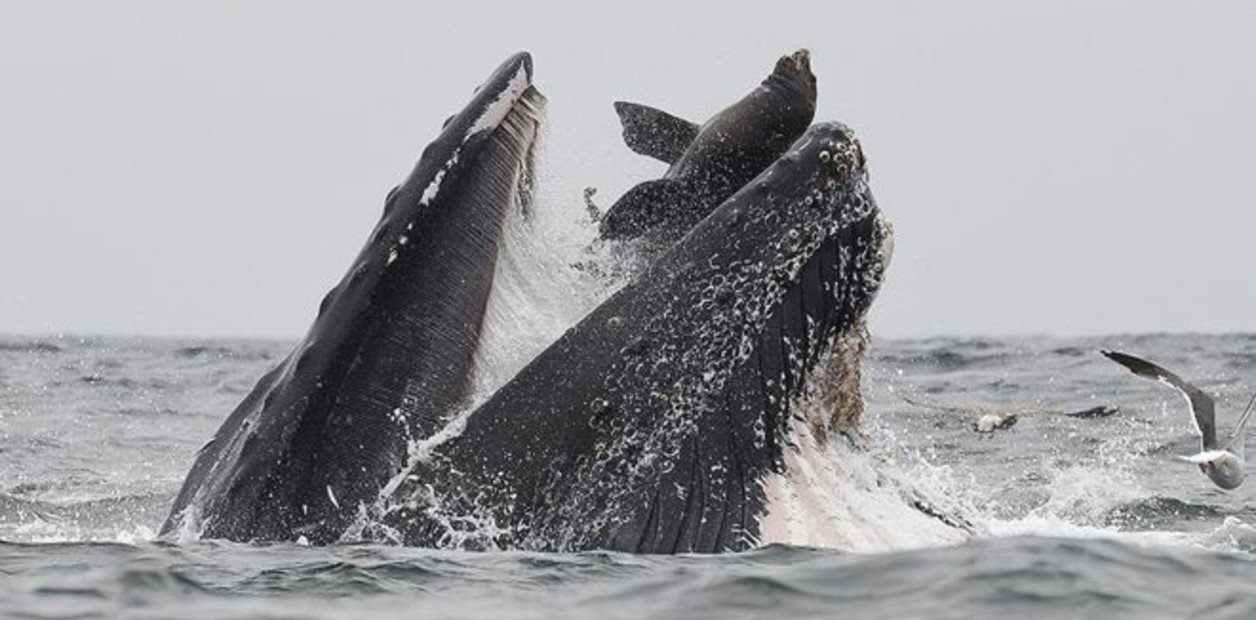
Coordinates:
[1079,518]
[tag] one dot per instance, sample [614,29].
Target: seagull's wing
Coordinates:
[1023,411]
[965,411]
[1101,411]
[1203,457]
[1202,407]
[1238,438]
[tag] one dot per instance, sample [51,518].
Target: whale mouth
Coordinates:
[668,405]
[649,426]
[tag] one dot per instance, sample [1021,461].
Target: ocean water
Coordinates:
[1075,517]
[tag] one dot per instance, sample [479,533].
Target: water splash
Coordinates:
[550,273]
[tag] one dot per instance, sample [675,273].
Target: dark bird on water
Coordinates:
[991,418]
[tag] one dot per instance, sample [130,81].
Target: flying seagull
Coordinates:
[1224,465]
[987,419]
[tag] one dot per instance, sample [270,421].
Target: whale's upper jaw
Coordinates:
[322,431]
[492,101]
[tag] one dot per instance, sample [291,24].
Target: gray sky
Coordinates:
[210,168]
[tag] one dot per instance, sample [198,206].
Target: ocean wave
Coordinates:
[29,346]
[1020,577]
[224,352]
[1156,512]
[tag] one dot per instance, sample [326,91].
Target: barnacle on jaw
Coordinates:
[846,159]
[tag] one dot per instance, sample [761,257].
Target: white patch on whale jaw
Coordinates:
[496,111]
[430,192]
[835,495]
[519,110]
[491,118]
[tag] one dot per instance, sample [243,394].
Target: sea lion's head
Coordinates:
[794,70]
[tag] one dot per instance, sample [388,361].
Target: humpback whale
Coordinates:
[708,163]
[657,423]
[675,417]
[390,352]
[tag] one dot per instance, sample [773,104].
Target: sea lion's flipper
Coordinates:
[643,207]
[653,132]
